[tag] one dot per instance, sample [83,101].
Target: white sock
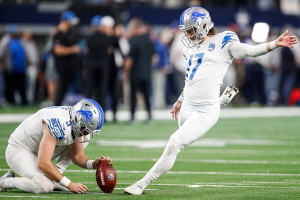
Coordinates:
[164,163]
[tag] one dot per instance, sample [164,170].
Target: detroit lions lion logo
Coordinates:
[196,15]
[88,114]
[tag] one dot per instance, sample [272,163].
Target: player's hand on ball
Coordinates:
[97,162]
[176,109]
[77,188]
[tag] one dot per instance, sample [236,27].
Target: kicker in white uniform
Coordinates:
[208,56]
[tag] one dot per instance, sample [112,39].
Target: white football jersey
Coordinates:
[207,65]
[29,133]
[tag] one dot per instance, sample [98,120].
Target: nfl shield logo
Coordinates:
[211,47]
[110,177]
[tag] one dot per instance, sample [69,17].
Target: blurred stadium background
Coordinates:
[252,152]
[271,80]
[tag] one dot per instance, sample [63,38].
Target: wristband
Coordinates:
[89,164]
[180,98]
[64,181]
[273,45]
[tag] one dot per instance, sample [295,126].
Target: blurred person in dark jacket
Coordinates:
[96,71]
[137,66]
[288,75]
[115,54]
[13,59]
[64,49]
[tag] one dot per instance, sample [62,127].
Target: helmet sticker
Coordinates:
[196,15]
[88,114]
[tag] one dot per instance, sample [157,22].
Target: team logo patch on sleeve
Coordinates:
[211,46]
[55,128]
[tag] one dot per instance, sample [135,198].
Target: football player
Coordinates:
[52,132]
[208,56]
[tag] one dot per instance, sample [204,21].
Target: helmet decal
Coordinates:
[183,15]
[196,15]
[100,111]
[87,113]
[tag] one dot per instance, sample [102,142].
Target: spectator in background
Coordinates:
[123,89]
[51,74]
[3,42]
[13,59]
[96,71]
[162,68]
[254,88]
[64,48]
[177,60]
[33,62]
[137,66]
[271,63]
[288,75]
[113,88]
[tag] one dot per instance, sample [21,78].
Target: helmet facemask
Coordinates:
[189,42]
[80,130]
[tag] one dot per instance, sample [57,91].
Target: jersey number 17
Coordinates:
[199,56]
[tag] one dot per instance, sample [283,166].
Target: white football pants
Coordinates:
[32,179]
[194,122]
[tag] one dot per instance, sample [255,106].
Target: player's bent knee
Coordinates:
[176,142]
[173,147]
[43,184]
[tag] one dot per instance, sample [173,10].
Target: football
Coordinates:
[106,177]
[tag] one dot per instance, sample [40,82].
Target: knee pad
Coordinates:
[43,184]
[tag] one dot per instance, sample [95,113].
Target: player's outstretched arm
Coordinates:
[228,95]
[240,50]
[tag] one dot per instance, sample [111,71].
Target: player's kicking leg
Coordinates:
[192,129]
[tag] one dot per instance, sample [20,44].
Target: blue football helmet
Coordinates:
[86,116]
[196,18]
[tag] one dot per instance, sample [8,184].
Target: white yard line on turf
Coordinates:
[212,161]
[129,184]
[124,115]
[203,142]
[217,185]
[181,172]
[7,196]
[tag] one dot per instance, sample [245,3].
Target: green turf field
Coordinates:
[246,158]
